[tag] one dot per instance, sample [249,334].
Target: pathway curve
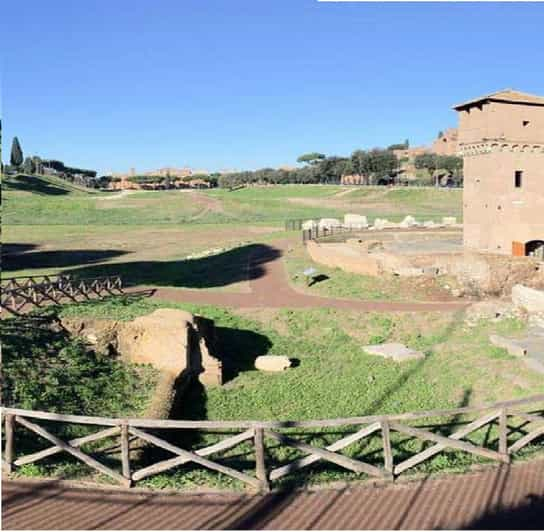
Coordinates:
[270,288]
[507,497]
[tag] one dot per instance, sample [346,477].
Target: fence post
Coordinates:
[125,453]
[260,466]
[9,452]
[503,432]
[387,451]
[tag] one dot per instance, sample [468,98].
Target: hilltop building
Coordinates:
[446,143]
[501,138]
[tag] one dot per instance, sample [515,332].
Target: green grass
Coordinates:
[43,368]
[336,378]
[46,369]
[62,203]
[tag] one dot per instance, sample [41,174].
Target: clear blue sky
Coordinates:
[111,84]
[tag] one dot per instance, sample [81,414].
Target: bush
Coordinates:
[48,370]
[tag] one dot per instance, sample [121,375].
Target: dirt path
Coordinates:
[208,204]
[270,288]
[507,497]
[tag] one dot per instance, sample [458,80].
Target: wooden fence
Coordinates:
[526,415]
[316,233]
[26,293]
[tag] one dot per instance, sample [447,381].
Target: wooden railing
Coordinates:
[510,440]
[26,293]
[318,233]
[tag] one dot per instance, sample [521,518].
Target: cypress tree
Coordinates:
[16,153]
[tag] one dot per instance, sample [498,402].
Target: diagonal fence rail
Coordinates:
[19,294]
[516,422]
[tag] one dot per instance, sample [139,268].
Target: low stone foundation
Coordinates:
[180,345]
[411,253]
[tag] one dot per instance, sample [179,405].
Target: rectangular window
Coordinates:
[518,178]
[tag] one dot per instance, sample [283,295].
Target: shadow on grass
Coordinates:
[229,267]
[26,257]
[28,183]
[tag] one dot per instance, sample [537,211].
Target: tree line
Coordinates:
[371,167]
[36,165]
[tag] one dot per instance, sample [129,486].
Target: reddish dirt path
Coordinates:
[270,288]
[498,498]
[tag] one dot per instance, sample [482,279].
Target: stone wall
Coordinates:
[478,274]
[329,255]
[180,345]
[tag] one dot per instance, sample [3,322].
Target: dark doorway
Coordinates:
[535,248]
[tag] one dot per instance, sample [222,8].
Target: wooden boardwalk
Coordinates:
[505,497]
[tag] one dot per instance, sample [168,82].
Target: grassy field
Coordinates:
[51,226]
[33,201]
[334,377]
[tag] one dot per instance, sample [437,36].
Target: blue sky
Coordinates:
[113,84]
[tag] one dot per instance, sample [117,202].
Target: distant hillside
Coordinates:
[44,185]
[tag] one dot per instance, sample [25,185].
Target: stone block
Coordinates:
[355,221]
[449,221]
[383,223]
[327,223]
[160,338]
[308,225]
[272,363]
[409,221]
[394,351]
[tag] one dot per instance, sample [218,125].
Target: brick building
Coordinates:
[446,143]
[501,138]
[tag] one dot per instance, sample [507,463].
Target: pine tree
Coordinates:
[28,166]
[16,153]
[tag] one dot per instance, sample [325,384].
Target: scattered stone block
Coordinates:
[272,363]
[409,221]
[383,223]
[308,225]
[530,299]
[449,220]
[328,223]
[394,351]
[355,221]
[511,346]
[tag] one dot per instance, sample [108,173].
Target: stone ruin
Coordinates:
[360,222]
[180,345]
[376,250]
[526,304]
